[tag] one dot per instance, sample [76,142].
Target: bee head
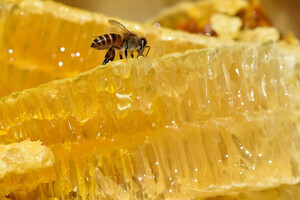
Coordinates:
[143,43]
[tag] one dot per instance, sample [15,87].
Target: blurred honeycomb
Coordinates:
[284,14]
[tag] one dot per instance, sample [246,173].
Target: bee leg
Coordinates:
[148,47]
[126,53]
[112,56]
[108,56]
[105,61]
[126,47]
[132,56]
[121,57]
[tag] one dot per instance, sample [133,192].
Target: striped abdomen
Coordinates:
[108,40]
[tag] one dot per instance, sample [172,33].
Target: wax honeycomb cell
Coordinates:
[41,41]
[199,124]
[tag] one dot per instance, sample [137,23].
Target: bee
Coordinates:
[126,44]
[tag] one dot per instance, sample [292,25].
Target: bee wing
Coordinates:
[119,26]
